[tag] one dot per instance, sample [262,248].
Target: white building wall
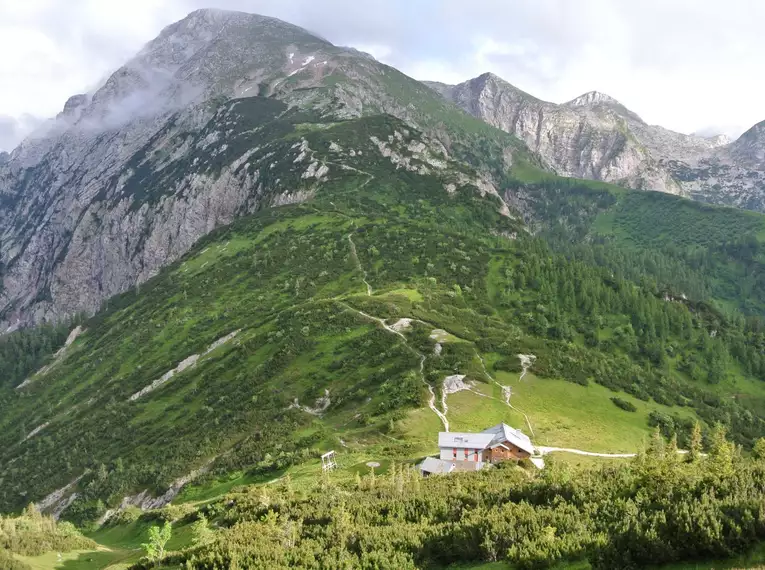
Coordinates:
[447,454]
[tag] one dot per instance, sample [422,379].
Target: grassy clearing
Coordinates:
[564,414]
[82,560]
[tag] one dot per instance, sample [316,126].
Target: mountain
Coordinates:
[251,248]
[125,180]
[594,136]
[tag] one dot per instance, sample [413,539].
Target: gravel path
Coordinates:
[543,450]
[432,397]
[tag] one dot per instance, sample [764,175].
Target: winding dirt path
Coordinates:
[358,265]
[544,450]
[432,397]
[505,393]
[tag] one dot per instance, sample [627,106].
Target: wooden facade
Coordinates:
[504,452]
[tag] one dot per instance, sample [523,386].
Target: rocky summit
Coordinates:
[125,179]
[594,136]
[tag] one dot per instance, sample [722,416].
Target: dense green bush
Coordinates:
[624,404]
[660,508]
[32,534]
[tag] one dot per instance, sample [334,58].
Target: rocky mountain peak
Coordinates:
[592,98]
[719,140]
[489,77]
[4,157]
[749,148]
[597,101]
[74,106]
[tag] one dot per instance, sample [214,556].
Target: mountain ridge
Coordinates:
[594,136]
[283,248]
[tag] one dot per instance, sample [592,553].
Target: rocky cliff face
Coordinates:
[174,144]
[594,136]
[72,234]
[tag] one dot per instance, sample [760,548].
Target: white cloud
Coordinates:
[685,64]
[378,51]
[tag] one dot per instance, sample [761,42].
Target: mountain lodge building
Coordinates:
[460,451]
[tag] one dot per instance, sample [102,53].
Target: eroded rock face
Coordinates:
[77,225]
[596,137]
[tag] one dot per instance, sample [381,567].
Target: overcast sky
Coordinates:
[689,65]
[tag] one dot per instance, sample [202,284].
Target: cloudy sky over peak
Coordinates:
[689,65]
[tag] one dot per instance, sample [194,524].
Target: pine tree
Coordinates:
[694,447]
[721,452]
[758,451]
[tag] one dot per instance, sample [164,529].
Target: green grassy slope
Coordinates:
[292,282]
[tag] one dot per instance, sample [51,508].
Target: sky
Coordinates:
[688,65]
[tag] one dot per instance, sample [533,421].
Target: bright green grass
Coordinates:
[120,547]
[412,294]
[565,414]
[363,469]
[442,336]
[562,414]
[218,487]
[80,560]
[421,427]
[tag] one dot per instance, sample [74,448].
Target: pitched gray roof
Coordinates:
[462,440]
[435,465]
[503,432]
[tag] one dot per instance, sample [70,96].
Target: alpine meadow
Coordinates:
[270,303]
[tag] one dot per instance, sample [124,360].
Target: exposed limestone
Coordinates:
[456,383]
[595,136]
[37,430]
[145,500]
[60,353]
[185,364]
[58,500]
[439,335]
[401,325]
[321,406]
[527,361]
